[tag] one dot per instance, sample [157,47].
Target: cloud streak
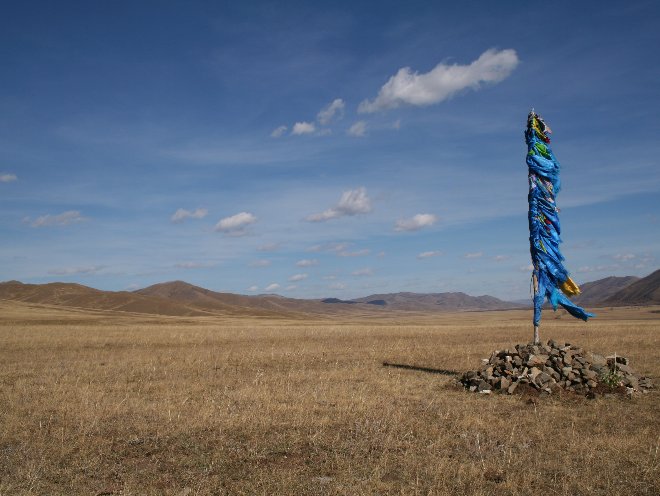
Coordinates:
[182,214]
[8,178]
[64,219]
[442,82]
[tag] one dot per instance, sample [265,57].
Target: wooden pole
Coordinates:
[537,339]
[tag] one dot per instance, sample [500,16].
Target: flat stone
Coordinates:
[536,360]
[503,383]
[534,372]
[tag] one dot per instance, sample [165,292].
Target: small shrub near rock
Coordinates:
[554,367]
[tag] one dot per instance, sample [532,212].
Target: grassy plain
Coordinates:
[105,403]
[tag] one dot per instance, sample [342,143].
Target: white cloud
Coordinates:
[500,258]
[290,287]
[416,222]
[526,268]
[380,254]
[67,271]
[236,224]
[278,131]
[429,254]
[63,219]
[303,128]
[337,285]
[477,254]
[357,253]
[352,202]
[260,263]
[183,214]
[396,124]
[363,272]
[333,247]
[7,178]
[268,247]
[307,262]
[298,277]
[253,288]
[358,129]
[623,257]
[272,287]
[329,278]
[336,108]
[442,82]
[194,265]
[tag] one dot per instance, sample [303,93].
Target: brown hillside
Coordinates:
[596,292]
[646,291]
[198,297]
[79,296]
[437,301]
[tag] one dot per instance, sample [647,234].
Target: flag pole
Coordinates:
[550,278]
[537,339]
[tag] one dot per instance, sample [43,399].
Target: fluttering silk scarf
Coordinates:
[550,277]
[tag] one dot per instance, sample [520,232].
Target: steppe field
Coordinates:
[103,403]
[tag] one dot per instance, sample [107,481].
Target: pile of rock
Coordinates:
[552,367]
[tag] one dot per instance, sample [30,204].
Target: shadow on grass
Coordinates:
[421,369]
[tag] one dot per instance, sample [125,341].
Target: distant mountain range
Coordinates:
[178,298]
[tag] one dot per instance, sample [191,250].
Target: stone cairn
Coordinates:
[554,367]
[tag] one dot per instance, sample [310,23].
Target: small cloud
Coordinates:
[303,128]
[269,247]
[526,268]
[336,108]
[428,254]
[260,263]
[278,131]
[329,278]
[500,258]
[415,223]
[352,202]
[477,254]
[63,219]
[380,254]
[253,288]
[236,224]
[307,262]
[357,253]
[68,271]
[194,265]
[8,178]
[337,285]
[290,287]
[132,287]
[442,82]
[183,214]
[298,277]
[365,272]
[331,247]
[358,129]
[396,124]
[272,287]
[623,257]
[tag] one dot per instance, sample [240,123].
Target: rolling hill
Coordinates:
[79,296]
[645,291]
[596,292]
[436,302]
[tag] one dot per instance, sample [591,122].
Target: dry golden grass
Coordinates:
[104,403]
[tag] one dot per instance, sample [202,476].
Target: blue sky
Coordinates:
[322,150]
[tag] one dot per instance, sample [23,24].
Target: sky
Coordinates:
[335,149]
